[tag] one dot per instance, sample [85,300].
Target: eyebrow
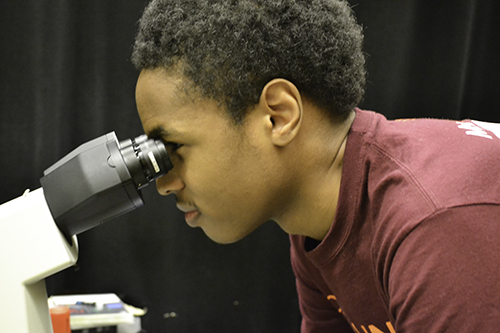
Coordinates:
[161,133]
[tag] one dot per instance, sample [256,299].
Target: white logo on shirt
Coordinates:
[480,128]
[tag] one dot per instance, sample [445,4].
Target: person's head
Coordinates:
[228,50]
[243,93]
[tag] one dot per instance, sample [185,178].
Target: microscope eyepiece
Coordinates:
[146,159]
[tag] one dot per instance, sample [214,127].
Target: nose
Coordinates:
[170,183]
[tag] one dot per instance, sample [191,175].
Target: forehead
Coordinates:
[165,104]
[156,92]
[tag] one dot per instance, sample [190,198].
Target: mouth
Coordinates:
[191,214]
[191,218]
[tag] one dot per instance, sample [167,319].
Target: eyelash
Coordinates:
[174,146]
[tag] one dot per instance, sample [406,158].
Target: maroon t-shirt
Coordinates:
[415,244]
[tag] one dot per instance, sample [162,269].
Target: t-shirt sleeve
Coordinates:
[318,313]
[445,275]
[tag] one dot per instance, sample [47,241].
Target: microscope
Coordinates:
[96,182]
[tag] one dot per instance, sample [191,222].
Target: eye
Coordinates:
[172,146]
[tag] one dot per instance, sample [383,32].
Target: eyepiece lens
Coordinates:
[146,159]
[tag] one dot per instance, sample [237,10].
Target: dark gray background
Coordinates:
[66,78]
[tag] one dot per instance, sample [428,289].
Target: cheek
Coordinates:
[224,173]
[204,173]
[214,179]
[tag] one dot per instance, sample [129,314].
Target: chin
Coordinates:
[224,238]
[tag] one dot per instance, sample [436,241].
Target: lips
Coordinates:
[191,217]
[191,214]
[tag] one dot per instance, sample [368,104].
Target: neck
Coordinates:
[312,210]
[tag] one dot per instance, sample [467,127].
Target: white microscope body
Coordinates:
[31,249]
[96,182]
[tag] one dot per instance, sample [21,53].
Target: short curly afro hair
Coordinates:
[230,49]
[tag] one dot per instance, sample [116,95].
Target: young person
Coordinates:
[393,224]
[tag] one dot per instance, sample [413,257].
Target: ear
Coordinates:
[282,103]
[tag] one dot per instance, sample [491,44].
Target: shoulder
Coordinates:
[449,162]
[442,275]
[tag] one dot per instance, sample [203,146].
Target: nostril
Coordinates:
[169,184]
[162,190]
